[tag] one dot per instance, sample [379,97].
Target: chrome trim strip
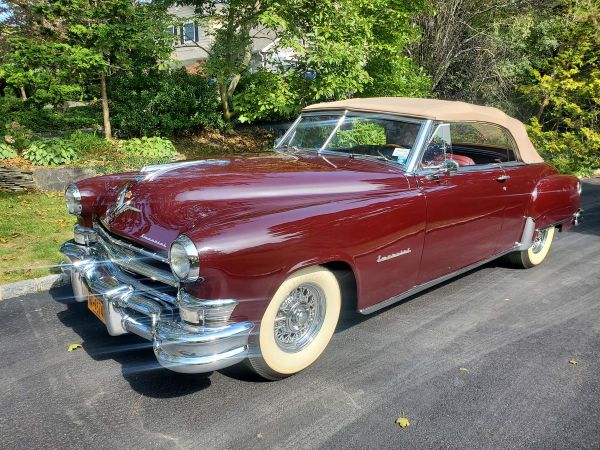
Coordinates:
[154,171]
[427,285]
[337,127]
[419,146]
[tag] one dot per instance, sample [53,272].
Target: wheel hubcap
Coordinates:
[539,241]
[300,317]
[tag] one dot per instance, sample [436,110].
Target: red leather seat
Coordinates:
[461,160]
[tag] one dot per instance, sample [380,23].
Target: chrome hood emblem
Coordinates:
[122,204]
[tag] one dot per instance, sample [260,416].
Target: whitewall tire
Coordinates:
[297,324]
[538,251]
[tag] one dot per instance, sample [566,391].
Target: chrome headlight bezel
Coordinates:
[73,199]
[184,260]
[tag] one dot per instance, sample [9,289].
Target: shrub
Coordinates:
[362,133]
[576,152]
[149,147]
[163,103]
[7,151]
[48,119]
[266,96]
[17,135]
[51,152]
[90,145]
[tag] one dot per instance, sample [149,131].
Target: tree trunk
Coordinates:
[227,114]
[226,90]
[545,102]
[105,109]
[23,93]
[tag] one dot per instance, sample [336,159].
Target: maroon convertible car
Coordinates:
[363,203]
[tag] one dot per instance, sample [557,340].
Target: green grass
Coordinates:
[32,227]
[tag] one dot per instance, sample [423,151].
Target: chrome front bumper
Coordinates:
[131,306]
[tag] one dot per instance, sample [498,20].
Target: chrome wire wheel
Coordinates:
[297,324]
[300,317]
[537,252]
[540,241]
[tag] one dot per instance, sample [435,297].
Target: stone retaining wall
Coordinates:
[18,180]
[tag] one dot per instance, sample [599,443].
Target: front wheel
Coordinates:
[297,325]
[535,254]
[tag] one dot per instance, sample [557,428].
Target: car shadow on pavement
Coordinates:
[138,364]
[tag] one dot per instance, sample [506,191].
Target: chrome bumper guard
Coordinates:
[578,217]
[131,306]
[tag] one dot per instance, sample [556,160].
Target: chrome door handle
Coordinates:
[502,178]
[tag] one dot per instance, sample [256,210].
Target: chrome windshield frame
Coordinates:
[412,160]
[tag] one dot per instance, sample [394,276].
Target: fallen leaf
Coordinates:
[573,362]
[259,435]
[507,299]
[403,422]
[73,347]
[463,369]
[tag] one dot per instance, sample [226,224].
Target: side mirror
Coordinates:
[448,167]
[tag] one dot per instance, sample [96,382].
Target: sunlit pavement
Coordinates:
[514,331]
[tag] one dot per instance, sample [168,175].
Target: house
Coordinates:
[192,41]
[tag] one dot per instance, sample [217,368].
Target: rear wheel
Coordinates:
[538,251]
[297,325]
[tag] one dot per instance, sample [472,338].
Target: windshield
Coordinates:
[379,136]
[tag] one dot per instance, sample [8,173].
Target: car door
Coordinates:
[464,208]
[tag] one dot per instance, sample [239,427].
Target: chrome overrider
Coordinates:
[108,268]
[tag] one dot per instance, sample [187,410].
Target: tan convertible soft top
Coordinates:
[440,110]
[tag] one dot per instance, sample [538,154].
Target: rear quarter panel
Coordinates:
[554,200]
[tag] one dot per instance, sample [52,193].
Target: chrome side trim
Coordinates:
[527,236]
[427,285]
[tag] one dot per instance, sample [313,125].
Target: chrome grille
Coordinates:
[136,260]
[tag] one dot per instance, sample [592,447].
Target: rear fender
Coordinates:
[554,200]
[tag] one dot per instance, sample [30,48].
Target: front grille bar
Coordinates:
[131,258]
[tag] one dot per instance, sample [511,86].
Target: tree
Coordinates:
[561,84]
[88,39]
[341,48]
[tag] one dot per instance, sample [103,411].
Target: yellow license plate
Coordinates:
[97,307]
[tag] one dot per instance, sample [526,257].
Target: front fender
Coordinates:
[249,259]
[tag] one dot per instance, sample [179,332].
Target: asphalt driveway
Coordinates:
[514,331]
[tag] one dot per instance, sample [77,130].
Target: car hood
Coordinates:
[169,200]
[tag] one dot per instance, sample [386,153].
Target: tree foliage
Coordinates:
[342,48]
[62,44]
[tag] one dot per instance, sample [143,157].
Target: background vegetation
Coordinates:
[538,60]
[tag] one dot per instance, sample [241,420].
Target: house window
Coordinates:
[173,31]
[189,33]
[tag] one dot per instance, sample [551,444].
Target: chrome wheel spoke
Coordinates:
[300,317]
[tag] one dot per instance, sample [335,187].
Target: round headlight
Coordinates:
[183,258]
[73,199]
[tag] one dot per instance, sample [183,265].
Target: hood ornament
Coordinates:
[122,204]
